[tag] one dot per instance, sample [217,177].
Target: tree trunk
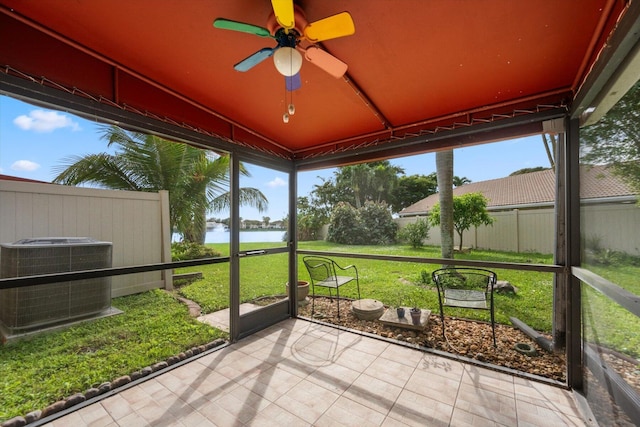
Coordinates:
[444,170]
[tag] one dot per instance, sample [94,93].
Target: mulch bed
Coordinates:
[463,337]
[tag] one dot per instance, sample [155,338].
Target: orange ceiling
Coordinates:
[413,65]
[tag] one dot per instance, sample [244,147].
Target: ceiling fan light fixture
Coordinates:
[288,61]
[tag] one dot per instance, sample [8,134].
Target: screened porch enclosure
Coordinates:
[555,69]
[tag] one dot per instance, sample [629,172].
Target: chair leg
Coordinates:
[338,301]
[313,299]
[493,328]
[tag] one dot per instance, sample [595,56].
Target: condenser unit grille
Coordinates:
[32,307]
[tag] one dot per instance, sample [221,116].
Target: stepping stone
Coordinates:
[367,309]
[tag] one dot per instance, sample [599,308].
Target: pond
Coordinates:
[220,235]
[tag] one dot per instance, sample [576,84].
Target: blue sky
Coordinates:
[34,141]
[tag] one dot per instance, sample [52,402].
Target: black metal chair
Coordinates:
[324,272]
[468,288]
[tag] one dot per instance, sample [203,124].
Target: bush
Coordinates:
[183,251]
[415,233]
[345,226]
[378,223]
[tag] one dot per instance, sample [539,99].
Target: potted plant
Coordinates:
[416,312]
[399,307]
[303,289]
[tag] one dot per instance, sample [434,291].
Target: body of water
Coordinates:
[220,235]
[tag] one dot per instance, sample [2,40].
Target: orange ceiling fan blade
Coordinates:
[332,27]
[283,9]
[326,61]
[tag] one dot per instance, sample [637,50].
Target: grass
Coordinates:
[47,367]
[381,280]
[38,371]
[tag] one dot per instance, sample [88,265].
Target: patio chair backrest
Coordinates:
[320,269]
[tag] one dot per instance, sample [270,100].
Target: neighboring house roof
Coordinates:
[535,188]
[17,178]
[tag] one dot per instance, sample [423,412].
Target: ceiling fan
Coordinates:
[293,34]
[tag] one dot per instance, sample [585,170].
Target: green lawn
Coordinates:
[50,366]
[381,280]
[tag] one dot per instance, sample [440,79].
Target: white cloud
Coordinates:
[24,165]
[276,182]
[45,121]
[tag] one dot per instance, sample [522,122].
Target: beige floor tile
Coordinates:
[307,400]
[441,366]
[302,373]
[347,412]
[390,371]
[414,409]
[463,418]
[486,404]
[355,359]
[336,378]
[275,416]
[371,346]
[434,387]
[273,383]
[534,415]
[133,420]
[488,380]
[94,414]
[404,355]
[117,406]
[373,393]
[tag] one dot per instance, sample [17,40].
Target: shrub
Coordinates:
[183,251]
[378,224]
[415,233]
[345,226]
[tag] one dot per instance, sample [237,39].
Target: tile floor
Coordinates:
[298,373]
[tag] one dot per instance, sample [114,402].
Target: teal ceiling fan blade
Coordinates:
[254,59]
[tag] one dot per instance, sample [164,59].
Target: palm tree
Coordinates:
[197,180]
[444,170]
[457,181]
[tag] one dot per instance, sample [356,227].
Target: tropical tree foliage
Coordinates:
[371,224]
[458,181]
[469,210]
[373,181]
[411,189]
[197,180]
[615,139]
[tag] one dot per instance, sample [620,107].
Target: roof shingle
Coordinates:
[532,188]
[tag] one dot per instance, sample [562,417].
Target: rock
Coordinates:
[33,416]
[90,393]
[136,375]
[158,366]
[104,387]
[53,408]
[74,399]
[504,287]
[480,357]
[173,360]
[147,370]
[15,422]
[119,382]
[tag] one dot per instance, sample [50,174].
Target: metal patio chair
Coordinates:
[468,288]
[324,272]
